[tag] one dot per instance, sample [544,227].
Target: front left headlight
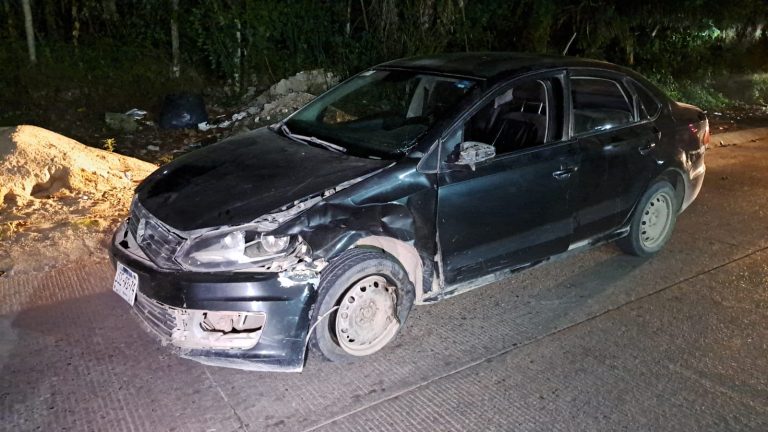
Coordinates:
[234,249]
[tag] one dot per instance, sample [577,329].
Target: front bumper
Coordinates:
[171,302]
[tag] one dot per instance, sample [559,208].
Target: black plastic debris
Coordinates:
[182,110]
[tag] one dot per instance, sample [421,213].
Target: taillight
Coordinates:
[701,132]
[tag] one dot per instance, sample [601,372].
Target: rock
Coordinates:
[153,148]
[313,82]
[284,106]
[274,104]
[120,122]
[282,87]
[290,94]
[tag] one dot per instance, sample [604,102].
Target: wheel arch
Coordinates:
[405,254]
[676,178]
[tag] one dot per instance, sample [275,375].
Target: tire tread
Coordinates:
[335,270]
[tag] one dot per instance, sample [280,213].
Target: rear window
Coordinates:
[649,105]
[598,104]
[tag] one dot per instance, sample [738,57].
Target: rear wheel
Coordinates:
[363,301]
[653,222]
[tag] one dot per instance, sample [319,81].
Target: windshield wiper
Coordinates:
[314,140]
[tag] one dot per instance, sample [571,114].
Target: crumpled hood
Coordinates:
[242,178]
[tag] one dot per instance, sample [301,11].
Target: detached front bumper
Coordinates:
[183,308]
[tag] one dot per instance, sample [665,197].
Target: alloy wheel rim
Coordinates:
[366,318]
[656,219]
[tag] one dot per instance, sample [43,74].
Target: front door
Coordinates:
[512,209]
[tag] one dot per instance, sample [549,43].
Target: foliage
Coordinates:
[255,42]
[108,144]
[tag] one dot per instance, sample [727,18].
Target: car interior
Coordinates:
[515,120]
[598,104]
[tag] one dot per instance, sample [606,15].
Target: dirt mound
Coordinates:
[36,163]
[59,199]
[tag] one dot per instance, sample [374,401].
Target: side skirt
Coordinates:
[460,288]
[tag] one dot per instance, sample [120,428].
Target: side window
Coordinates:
[515,119]
[649,106]
[598,104]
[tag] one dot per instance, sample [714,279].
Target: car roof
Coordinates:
[494,66]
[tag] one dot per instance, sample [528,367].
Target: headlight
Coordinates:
[233,249]
[272,244]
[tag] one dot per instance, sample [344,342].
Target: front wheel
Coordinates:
[653,221]
[364,297]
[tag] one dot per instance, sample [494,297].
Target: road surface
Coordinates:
[596,341]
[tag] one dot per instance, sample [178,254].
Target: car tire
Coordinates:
[364,298]
[652,222]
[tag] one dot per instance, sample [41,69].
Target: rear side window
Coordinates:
[598,104]
[649,106]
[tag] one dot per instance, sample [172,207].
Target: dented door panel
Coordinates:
[506,213]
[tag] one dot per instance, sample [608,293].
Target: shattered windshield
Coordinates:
[379,113]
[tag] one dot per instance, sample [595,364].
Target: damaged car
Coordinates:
[409,183]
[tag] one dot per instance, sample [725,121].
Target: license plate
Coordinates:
[126,283]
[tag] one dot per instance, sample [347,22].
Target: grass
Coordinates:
[703,95]
[108,144]
[87,224]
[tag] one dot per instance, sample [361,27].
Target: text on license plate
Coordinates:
[126,283]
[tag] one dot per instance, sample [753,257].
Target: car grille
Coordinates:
[133,220]
[157,242]
[158,317]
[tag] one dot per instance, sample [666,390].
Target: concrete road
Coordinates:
[597,341]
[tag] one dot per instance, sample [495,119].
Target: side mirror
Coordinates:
[472,152]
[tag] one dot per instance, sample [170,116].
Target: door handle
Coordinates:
[645,149]
[565,173]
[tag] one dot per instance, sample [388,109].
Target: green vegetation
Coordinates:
[87,224]
[165,158]
[109,55]
[702,92]
[108,144]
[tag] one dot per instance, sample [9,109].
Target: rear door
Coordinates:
[512,209]
[616,152]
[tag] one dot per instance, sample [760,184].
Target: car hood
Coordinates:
[241,178]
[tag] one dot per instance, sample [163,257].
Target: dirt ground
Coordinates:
[60,200]
[738,117]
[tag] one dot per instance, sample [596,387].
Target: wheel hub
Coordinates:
[656,219]
[366,319]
